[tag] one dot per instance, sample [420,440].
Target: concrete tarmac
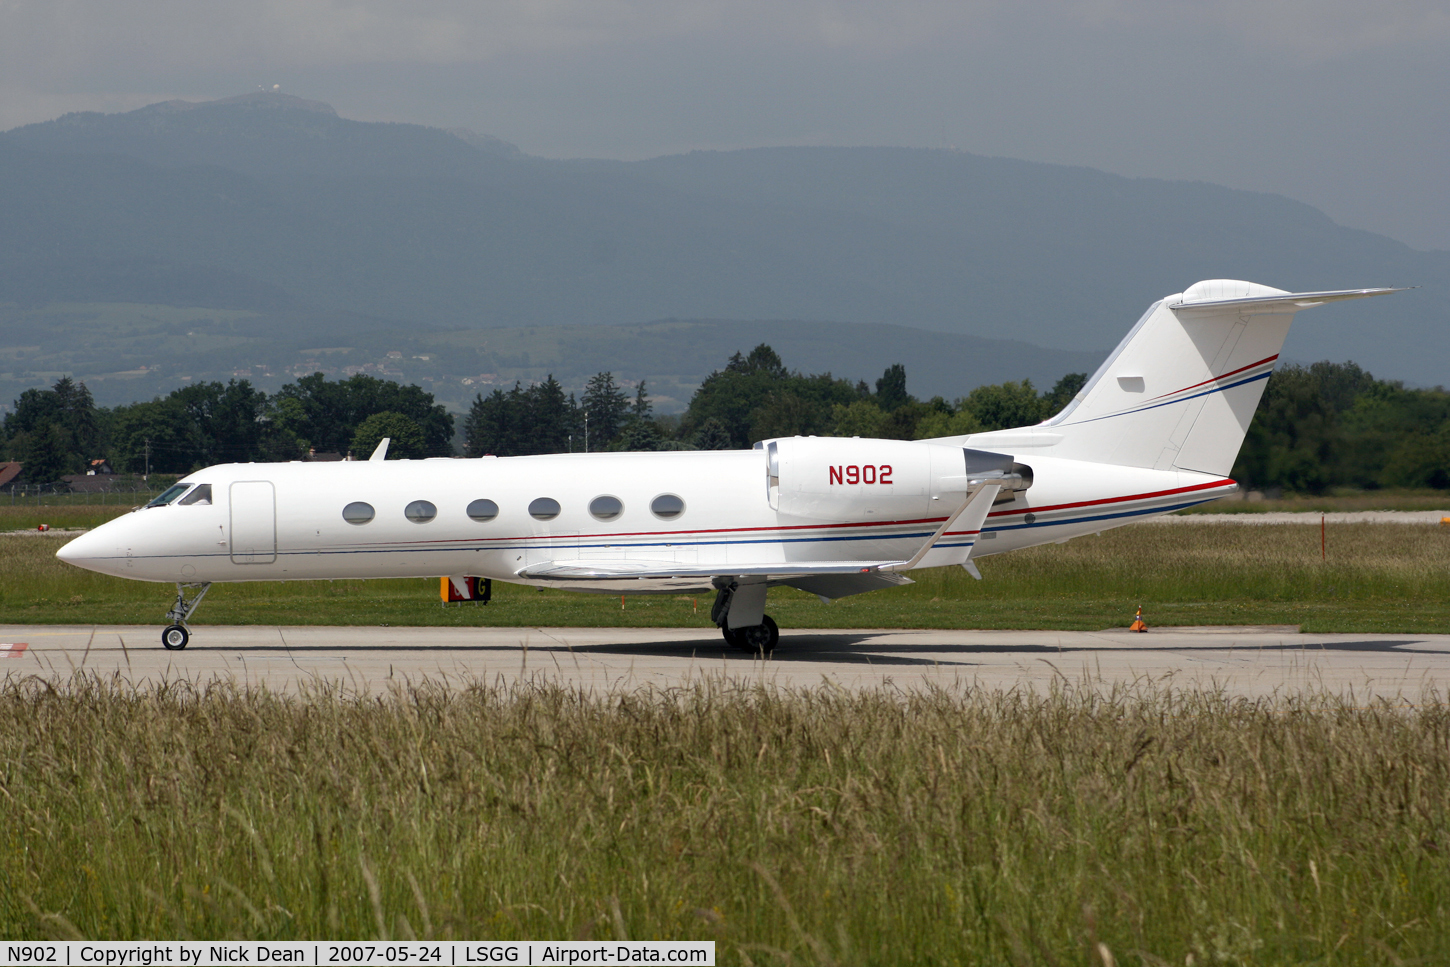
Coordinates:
[1251,662]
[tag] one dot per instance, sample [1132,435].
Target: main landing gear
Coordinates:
[175,637]
[758,639]
[739,612]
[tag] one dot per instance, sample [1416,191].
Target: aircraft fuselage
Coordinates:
[269,522]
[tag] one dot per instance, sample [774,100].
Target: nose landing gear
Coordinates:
[176,635]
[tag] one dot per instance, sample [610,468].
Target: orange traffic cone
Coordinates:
[1138,624]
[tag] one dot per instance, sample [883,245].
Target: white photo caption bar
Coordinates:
[191,953]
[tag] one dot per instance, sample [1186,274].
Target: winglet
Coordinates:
[381,453]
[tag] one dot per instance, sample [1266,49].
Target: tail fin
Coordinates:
[1181,388]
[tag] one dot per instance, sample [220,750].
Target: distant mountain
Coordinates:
[268,202]
[264,134]
[125,351]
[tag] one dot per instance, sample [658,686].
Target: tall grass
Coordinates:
[792,826]
[1375,577]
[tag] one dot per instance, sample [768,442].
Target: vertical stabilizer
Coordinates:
[1181,388]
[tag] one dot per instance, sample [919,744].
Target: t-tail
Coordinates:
[1182,386]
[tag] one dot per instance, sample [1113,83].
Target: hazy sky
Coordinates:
[1345,105]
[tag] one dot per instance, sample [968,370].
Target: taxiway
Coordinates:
[1258,661]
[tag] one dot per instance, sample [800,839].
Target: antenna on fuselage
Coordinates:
[381,453]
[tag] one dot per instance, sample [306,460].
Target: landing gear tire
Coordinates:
[175,637]
[758,639]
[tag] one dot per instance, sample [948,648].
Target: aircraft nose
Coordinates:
[81,551]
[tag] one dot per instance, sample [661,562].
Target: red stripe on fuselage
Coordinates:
[826,527]
[1116,500]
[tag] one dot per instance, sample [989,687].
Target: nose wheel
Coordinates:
[175,637]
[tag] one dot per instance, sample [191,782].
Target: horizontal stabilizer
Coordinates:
[1288,302]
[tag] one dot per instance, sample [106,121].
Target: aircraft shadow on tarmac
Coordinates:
[871,649]
[826,649]
[862,649]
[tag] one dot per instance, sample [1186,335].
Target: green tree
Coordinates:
[44,453]
[489,427]
[784,413]
[406,440]
[539,419]
[1062,393]
[1295,440]
[947,423]
[639,431]
[1003,406]
[325,415]
[712,436]
[161,427]
[891,388]
[862,418]
[552,418]
[607,406]
[53,432]
[756,394]
[229,421]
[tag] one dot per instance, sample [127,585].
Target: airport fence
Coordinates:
[117,494]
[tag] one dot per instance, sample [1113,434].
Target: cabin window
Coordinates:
[201,495]
[358,512]
[667,506]
[544,508]
[168,495]
[420,511]
[606,507]
[482,510]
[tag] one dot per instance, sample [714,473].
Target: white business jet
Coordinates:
[1156,429]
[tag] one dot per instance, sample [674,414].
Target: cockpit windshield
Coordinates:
[169,494]
[201,495]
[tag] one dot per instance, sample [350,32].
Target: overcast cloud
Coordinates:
[1339,104]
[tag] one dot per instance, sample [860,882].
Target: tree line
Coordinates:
[753,397]
[1334,425]
[59,431]
[1317,427]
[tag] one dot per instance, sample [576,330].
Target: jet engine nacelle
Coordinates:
[834,478]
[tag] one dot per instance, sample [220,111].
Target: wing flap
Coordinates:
[844,585]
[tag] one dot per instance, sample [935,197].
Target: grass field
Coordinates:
[810,827]
[1377,578]
[1331,503]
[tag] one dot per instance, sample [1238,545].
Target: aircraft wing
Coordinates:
[828,579]
[614,570]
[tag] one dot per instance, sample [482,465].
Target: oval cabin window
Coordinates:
[544,508]
[482,510]
[420,511]
[358,512]
[667,506]
[606,507]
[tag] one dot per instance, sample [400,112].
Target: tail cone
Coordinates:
[1138,624]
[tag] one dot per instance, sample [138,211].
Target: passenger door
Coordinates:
[254,522]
